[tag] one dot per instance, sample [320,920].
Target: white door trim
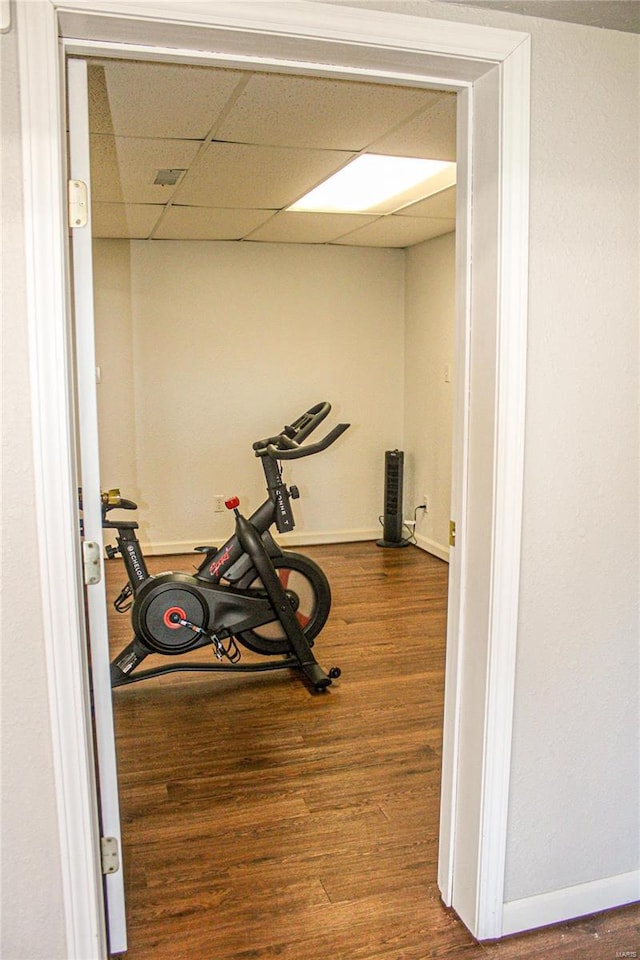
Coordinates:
[511,354]
[354,42]
[55,477]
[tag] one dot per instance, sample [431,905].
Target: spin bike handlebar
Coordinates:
[284,446]
[287,444]
[111,500]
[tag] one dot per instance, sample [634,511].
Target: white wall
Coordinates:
[577,672]
[573,816]
[429,337]
[227,343]
[32,925]
[115,361]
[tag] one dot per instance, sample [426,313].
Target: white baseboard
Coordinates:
[285,540]
[570,902]
[437,549]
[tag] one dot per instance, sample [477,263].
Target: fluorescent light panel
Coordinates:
[373,183]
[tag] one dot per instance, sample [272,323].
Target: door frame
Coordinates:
[490,68]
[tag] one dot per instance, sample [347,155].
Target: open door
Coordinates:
[89,473]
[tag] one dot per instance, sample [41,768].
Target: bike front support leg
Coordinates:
[252,544]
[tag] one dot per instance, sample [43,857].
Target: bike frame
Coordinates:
[231,561]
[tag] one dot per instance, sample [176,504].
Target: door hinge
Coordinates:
[78,203]
[110,855]
[452,533]
[91,558]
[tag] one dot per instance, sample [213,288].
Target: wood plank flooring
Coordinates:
[263,821]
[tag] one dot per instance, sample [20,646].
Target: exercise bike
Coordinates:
[248,593]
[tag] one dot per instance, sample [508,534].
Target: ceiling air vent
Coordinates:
[168,178]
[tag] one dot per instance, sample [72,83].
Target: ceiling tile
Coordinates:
[315,112]
[241,175]
[394,231]
[209,223]
[231,190]
[133,221]
[171,100]
[441,204]
[308,227]
[432,134]
[124,168]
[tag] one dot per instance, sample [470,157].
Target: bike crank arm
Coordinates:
[230,652]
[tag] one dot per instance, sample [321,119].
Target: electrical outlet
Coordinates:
[425,502]
[218,503]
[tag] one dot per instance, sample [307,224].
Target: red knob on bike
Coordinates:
[232,503]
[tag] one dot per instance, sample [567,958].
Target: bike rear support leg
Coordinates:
[126,661]
[252,544]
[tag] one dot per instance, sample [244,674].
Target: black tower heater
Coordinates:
[392,519]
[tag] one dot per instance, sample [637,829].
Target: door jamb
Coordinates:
[400,45]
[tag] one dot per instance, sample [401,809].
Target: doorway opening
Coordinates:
[357,312]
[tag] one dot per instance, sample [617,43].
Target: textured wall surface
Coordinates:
[578,660]
[429,337]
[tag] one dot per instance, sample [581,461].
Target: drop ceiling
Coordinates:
[246,145]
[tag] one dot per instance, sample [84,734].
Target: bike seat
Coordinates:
[120,524]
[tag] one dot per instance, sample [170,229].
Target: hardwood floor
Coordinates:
[263,821]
